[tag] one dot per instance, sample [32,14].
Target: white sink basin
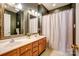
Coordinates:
[2,49]
[20,40]
[3,44]
[13,44]
[8,44]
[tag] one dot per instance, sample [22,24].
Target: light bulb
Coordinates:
[5,6]
[19,6]
[16,9]
[39,14]
[33,12]
[54,4]
[29,11]
[36,13]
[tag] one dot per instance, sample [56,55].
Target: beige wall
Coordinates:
[77,26]
[77,23]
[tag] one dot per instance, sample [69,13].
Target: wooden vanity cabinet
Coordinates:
[32,49]
[42,45]
[35,48]
[12,53]
[26,50]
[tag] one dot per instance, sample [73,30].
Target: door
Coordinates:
[7,19]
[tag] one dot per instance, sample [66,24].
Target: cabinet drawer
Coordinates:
[35,43]
[12,53]
[27,53]
[25,48]
[42,40]
[40,48]
[35,53]
[35,49]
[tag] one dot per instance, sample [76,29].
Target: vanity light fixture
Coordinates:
[54,4]
[39,14]
[33,11]
[36,13]
[16,9]
[5,6]
[19,6]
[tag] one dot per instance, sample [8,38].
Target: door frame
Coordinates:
[74,28]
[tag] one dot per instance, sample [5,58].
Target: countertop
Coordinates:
[6,45]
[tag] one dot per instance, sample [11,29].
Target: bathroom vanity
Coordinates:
[15,23]
[24,47]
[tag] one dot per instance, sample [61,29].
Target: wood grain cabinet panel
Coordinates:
[27,53]
[35,49]
[26,50]
[35,53]
[42,45]
[40,49]
[12,53]
[35,43]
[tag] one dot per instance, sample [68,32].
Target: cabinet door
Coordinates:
[42,45]
[12,53]
[26,50]
[27,53]
[35,53]
[40,48]
[35,44]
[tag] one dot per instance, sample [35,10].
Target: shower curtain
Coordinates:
[46,26]
[57,27]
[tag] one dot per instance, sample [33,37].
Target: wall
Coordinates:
[77,26]
[77,23]
[1,21]
[35,7]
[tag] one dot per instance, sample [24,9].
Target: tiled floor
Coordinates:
[51,52]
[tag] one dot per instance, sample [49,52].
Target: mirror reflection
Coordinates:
[13,20]
[33,21]
[21,18]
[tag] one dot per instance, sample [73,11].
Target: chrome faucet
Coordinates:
[36,34]
[29,34]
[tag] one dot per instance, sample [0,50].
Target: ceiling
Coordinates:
[25,6]
[51,6]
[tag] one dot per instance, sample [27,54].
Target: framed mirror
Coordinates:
[20,21]
[33,17]
[13,21]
